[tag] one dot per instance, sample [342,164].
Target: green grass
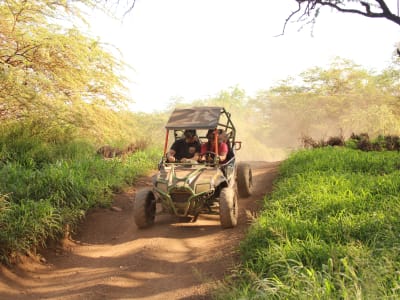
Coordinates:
[49,181]
[330,230]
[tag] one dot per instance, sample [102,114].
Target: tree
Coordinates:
[50,69]
[341,99]
[310,9]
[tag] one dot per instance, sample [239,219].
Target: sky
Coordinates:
[193,49]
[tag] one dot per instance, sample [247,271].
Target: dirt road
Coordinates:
[109,258]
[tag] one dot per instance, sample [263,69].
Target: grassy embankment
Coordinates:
[330,230]
[50,178]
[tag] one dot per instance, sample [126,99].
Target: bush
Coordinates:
[51,179]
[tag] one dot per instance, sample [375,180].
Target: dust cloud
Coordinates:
[251,151]
[286,134]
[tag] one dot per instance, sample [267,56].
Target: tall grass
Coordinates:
[330,230]
[49,179]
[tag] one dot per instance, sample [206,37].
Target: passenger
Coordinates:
[186,148]
[225,138]
[209,146]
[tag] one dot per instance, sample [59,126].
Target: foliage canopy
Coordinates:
[49,68]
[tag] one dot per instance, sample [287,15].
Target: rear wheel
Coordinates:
[228,208]
[144,208]
[244,180]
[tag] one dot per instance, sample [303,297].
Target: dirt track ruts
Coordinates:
[109,258]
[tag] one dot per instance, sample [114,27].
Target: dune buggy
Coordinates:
[188,189]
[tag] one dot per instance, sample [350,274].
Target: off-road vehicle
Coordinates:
[187,189]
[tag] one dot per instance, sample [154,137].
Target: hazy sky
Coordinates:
[196,48]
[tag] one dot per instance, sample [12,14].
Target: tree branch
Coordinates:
[337,5]
[130,8]
[288,18]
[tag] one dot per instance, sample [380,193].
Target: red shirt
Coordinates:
[222,148]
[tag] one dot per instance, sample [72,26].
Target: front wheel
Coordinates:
[244,180]
[144,208]
[228,208]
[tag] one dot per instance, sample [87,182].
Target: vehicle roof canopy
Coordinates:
[204,117]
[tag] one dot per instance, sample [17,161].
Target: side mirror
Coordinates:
[238,145]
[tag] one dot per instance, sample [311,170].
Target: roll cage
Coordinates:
[202,119]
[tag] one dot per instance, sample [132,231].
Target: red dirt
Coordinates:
[109,258]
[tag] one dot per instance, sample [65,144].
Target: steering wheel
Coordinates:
[209,156]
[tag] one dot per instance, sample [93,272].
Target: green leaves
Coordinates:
[27,224]
[329,230]
[50,178]
[50,68]
[341,99]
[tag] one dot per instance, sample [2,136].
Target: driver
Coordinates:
[210,146]
[186,148]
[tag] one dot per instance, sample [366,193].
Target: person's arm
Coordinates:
[223,151]
[171,155]
[172,151]
[196,156]
[203,150]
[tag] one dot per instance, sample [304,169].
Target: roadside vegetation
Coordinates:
[49,180]
[62,97]
[329,230]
